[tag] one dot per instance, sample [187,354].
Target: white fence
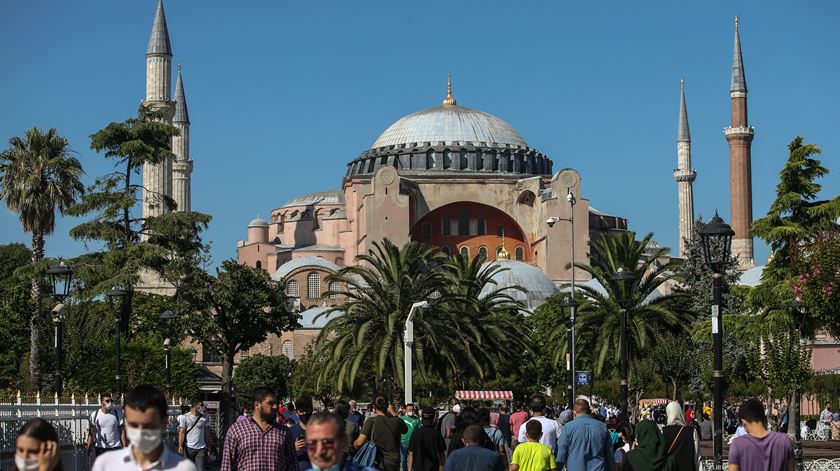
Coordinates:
[820,464]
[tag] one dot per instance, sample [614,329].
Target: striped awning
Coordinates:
[485,395]
[655,402]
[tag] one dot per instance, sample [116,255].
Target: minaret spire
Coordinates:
[183,165]
[684,176]
[449,100]
[159,39]
[740,135]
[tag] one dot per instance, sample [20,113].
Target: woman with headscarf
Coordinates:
[649,453]
[681,440]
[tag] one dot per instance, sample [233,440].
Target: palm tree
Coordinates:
[38,175]
[652,305]
[456,337]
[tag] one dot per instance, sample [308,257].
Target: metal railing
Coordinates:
[819,464]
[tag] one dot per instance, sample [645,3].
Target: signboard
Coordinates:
[583,378]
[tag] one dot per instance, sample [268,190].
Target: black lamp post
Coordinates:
[60,276]
[570,302]
[797,315]
[166,319]
[716,236]
[625,277]
[116,297]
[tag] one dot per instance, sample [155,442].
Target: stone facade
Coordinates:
[684,175]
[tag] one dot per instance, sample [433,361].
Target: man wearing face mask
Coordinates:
[259,443]
[194,434]
[303,411]
[145,421]
[106,431]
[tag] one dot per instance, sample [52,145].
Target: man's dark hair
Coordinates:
[517,405]
[342,408]
[104,395]
[261,393]
[327,417]
[473,434]
[503,408]
[484,416]
[144,397]
[185,408]
[453,401]
[582,406]
[380,403]
[538,403]
[626,430]
[752,411]
[533,428]
[196,400]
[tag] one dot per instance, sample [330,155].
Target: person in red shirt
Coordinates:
[518,418]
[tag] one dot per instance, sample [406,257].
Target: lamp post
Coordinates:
[408,343]
[716,237]
[117,297]
[570,362]
[570,303]
[797,313]
[165,319]
[60,276]
[624,277]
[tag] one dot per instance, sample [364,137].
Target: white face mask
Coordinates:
[23,464]
[145,440]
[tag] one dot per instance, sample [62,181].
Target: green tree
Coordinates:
[39,176]
[169,244]
[818,283]
[673,359]
[262,371]
[650,306]
[15,306]
[238,308]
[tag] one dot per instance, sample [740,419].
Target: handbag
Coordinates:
[367,454]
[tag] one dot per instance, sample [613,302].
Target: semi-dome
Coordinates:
[514,273]
[450,124]
[308,262]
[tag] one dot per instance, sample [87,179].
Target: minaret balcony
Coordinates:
[685,176]
[740,130]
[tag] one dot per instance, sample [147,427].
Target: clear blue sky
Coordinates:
[283,94]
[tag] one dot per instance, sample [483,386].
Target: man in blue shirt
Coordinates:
[584,443]
[474,457]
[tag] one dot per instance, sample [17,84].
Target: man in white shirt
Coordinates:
[145,422]
[549,427]
[194,434]
[106,430]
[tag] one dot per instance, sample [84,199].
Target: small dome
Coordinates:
[258,222]
[538,284]
[450,123]
[310,261]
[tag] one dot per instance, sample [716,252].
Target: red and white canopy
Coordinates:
[485,395]
[654,402]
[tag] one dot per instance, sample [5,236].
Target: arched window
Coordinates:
[519,253]
[313,283]
[334,286]
[293,289]
[482,251]
[446,250]
[465,251]
[288,349]
[427,230]
[258,264]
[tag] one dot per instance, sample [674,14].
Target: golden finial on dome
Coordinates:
[503,254]
[449,100]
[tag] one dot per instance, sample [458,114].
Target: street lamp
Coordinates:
[570,363]
[797,314]
[60,276]
[408,342]
[623,276]
[716,236]
[570,303]
[117,297]
[165,319]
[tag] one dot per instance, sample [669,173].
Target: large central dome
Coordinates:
[448,124]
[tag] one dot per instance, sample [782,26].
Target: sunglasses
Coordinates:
[326,443]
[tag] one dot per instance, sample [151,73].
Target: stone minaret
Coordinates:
[157,179]
[182,166]
[740,136]
[684,175]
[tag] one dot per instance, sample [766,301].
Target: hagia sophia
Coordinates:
[450,176]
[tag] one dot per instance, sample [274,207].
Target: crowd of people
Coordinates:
[391,437]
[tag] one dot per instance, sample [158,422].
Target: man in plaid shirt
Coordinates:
[259,443]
